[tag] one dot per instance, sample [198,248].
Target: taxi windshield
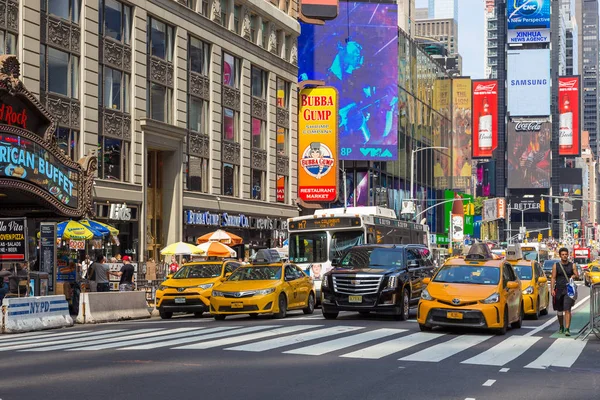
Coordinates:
[365,257]
[524,272]
[262,273]
[595,268]
[198,271]
[469,274]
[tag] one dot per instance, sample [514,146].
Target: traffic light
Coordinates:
[549,233]
[540,237]
[472,209]
[542,205]
[526,234]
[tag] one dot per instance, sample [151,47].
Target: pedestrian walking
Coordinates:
[100,272]
[85,266]
[126,275]
[562,272]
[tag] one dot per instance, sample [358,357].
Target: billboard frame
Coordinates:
[577,133]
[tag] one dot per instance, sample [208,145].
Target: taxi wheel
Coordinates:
[220,317]
[545,310]
[518,323]
[165,314]
[282,307]
[310,305]
[425,328]
[537,309]
[502,331]
[198,314]
[585,282]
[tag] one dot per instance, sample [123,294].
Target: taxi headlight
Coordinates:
[206,286]
[162,287]
[425,295]
[216,293]
[528,290]
[494,298]
[264,291]
[392,282]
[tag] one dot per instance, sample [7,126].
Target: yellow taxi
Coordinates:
[592,274]
[267,286]
[190,288]
[534,284]
[475,291]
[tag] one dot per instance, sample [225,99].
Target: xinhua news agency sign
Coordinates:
[13,239]
[528,21]
[317,145]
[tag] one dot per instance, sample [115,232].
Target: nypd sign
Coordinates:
[528,82]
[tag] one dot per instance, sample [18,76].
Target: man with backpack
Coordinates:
[562,272]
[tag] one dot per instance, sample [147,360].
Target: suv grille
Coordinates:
[357,284]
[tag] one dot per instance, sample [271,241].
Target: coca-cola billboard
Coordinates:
[485,118]
[569,143]
[528,126]
[528,154]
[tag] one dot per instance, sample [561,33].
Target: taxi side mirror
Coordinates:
[169,276]
[227,275]
[542,279]
[512,285]
[426,280]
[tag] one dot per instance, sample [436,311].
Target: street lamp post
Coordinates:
[412,165]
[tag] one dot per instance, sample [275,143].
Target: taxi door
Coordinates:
[305,285]
[291,285]
[542,288]
[513,300]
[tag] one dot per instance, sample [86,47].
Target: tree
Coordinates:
[479,205]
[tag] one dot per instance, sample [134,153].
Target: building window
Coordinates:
[113,155]
[68,142]
[117,21]
[8,43]
[66,9]
[231,71]
[160,39]
[237,12]
[230,180]
[258,133]
[265,34]
[197,112]
[205,8]
[224,12]
[253,26]
[197,174]
[61,72]
[283,93]
[259,83]
[160,103]
[199,56]
[282,141]
[230,125]
[116,90]
[191,4]
[258,189]
[281,188]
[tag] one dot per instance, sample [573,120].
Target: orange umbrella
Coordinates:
[221,236]
[216,249]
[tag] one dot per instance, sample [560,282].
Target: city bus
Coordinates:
[582,256]
[535,252]
[315,240]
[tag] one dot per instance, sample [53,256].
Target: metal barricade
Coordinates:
[593,326]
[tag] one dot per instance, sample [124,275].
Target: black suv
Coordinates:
[381,278]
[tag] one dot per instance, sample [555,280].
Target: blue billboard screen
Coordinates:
[357,53]
[524,14]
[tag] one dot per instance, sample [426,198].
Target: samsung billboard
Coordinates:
[528,21]
[528,81]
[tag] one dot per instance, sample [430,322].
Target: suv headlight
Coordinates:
[392,282]
[264,291]
[528,290]
[325,281]
[216,293]
[206,286]
[425,295]
[162,287]
[494,298]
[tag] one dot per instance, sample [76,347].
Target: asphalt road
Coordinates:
[301,357]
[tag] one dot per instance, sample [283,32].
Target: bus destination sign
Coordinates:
[324,223]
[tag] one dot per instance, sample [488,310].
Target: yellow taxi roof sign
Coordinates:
[513,252]
[479,251]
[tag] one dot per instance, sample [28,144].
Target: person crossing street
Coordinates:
[562,271]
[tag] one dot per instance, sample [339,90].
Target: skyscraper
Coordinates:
[443,9]
[490,35]
[589,67]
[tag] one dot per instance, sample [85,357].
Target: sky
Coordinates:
[470,35]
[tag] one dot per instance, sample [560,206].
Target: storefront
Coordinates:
[258,232]
[125,218]
[38,181]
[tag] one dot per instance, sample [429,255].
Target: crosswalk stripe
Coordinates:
[183,332]
[51,341]
[209,333]
[61,345]
[504,352]
[294,339]
[447,349]
[37,336]
[562,353]
[153,335]
[342,343]
[392,346]
[249,337]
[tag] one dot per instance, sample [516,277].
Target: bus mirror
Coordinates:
[335,262]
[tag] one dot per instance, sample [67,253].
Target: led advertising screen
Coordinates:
[485,118]
[528,154]
[461,134]
[528,21]
[528,82]
[569,139]
[319,9]
[357,53]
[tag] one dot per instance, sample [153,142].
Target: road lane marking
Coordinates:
[47,341]
[504,369]
[211,333]
[504,352]
[249,337]
[342,343]
[552,320]
[447,349]
[489,382]
[562,353]
[121,343]
[14,338]
[298,338]
[392,346]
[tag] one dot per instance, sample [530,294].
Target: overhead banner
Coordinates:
[485,118]
[528,154]
[461,134]
[528,21]
[528,83]
[569,135]
[357,53]
[317,145]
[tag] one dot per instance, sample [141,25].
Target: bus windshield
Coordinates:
[581,260]
[308,247]
[342,241]
[530,255]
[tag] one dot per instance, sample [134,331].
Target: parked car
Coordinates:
[547,267]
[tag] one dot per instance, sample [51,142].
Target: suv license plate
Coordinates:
[454,315]
[179,300]
[237,305]
[354,299]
